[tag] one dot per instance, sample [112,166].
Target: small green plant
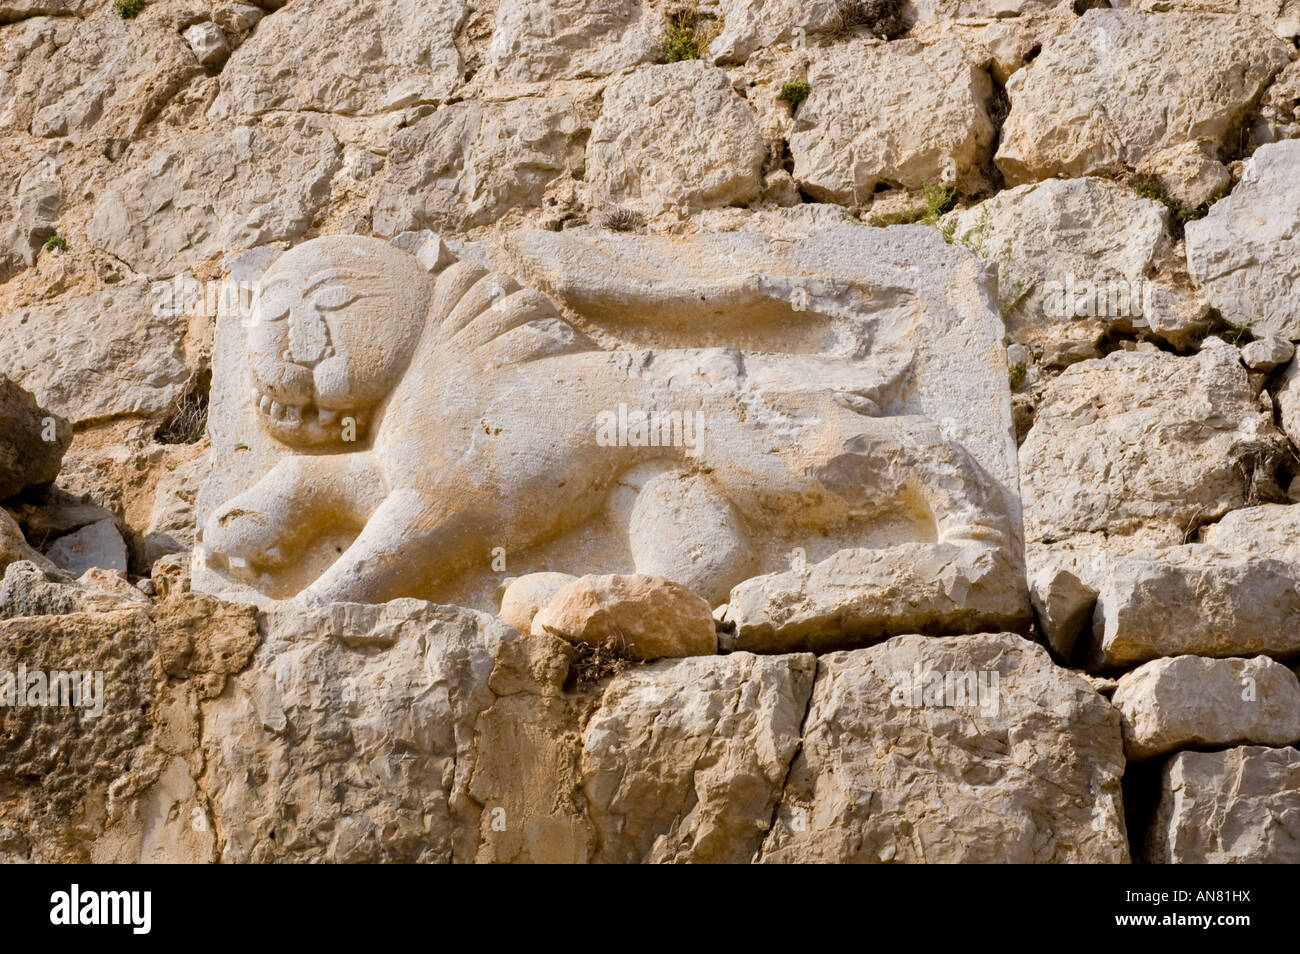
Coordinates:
[55,243]
[129,9]
[938,200]
[1019,289]
[1149,187]
[1016,374]
[795,92]
[685,37]
[974,239]
[1235,333]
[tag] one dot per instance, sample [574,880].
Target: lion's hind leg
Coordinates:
[682,527]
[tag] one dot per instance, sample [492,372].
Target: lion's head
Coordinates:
[334,328]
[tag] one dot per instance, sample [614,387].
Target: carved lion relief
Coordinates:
[425,425]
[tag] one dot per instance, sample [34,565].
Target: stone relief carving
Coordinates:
[397,422]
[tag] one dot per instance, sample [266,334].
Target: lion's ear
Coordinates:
[428,247]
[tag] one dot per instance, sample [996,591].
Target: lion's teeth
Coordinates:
[293,414]
[264,405]
[277,410]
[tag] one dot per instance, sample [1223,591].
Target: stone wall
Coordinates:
[316,316]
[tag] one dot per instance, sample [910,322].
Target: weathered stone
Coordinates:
[14,547]
[97,545]
[1189,172]
[535,40]
[210,46]
[749,25]
[1145,443]
[1063,606]
[239,188]
[32,440]
[1209,71]
[1194,599]
[38,588]
[302,749]
[675,136]
[29,216]
[857,596]
[1267,354]
[1266,529]
[470,163]
[1079,258]
[172,525]
[111,778]
[644,617]
[1246,251]
[1288,403]
[128,358]
[1240,806]
[526,595]
[694,779]
[1190,701]
[1279,110]
[1027,768]
[339,56]
[110,79]
[929,123]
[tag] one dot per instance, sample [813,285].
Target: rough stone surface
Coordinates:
[1144,443]
[526,595]
[673,137]
[1211,70]
[470,163]
[1267,354]
[1246,251]
[125,359]
[930,123]
[338,56]
[1063,606]
[238,188]
[1080,258]
[1033,776]
[1189,172]
[1239,806]
[1195,599]
[98,545]
[109,79]
[645,617]
[709,765]
[1193,702]
[536,40]
[32,441]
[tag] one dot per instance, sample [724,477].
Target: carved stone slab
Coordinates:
[814,430]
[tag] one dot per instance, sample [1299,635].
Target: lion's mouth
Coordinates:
[292,415]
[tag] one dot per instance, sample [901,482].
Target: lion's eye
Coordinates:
[334,297]
[273,307]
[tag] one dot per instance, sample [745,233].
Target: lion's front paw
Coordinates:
[239,543]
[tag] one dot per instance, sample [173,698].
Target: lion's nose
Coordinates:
[309,338]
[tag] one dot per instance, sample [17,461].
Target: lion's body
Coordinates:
[501,426]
